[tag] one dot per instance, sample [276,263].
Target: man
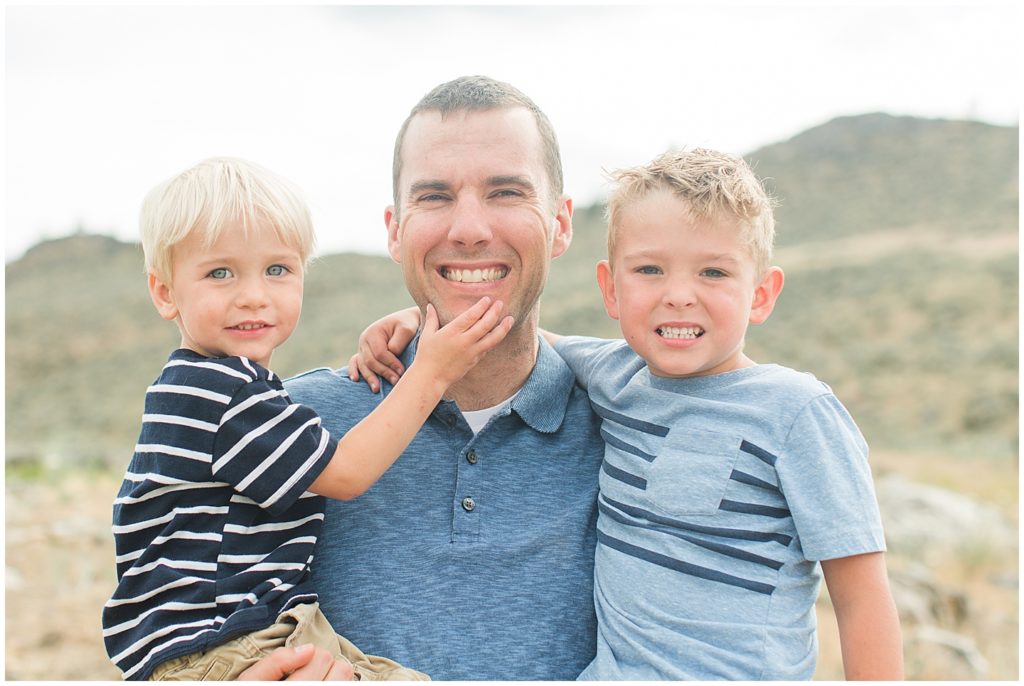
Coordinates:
[472,557]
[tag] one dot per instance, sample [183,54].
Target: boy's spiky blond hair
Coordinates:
[716,186]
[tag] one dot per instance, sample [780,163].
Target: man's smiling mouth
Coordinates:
[474,275]
[689,332]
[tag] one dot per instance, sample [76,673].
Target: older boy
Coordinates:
[214,527]
[724,482]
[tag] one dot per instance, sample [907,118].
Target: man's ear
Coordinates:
[606,283]
[765,295]
[162,297]
[563,227]
[394,241]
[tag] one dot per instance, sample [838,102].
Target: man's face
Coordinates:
[476,216]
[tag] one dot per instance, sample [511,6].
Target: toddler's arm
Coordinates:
[443,357]
[869,626]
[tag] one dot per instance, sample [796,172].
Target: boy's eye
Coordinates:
[648,269]
[220,273]
[277,270]
[714,273]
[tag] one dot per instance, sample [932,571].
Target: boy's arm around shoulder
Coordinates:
[869,625]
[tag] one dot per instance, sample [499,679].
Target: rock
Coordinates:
[925,522]
[934,653]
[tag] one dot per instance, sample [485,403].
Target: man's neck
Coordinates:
[501,373]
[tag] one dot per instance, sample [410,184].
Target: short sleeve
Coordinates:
[582,354]
[268,448]
[826,479]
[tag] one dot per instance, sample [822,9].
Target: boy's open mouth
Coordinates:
[474,275]
[689,332]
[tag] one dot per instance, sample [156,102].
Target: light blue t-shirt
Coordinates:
[718,495]
[472,557]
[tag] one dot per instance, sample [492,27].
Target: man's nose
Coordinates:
[470,226]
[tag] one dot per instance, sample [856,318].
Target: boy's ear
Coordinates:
[607,286]
[394,242]
[160,292]
[765,295]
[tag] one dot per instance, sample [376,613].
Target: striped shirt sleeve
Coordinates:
[269,448]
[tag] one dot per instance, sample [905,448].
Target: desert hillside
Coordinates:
[899,238]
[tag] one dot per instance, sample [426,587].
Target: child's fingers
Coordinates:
[430,321]
[399,341]
[487,321]
[358,368]
[496,334]
[375,356]
[471,315]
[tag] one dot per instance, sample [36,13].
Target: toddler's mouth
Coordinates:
[688,332]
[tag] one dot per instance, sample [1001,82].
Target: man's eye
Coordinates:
[220,273]
[508,193]
[277,270]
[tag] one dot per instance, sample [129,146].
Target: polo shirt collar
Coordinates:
[543,399]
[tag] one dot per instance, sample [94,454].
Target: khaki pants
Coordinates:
[299,625]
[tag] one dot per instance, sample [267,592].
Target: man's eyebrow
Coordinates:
[511,180]
[421,186]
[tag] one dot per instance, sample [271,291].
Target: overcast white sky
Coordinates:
[101,103]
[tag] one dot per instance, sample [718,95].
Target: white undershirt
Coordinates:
[478,418]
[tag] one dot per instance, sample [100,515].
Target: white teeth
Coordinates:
[475,275]
[680,331]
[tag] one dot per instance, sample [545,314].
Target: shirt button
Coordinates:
[471,457]
[451,420]
[468,504]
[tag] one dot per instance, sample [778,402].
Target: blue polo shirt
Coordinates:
[472,557]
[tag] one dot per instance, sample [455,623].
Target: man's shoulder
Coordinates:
[330,392]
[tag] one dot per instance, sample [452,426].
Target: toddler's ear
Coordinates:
[163,300]
[765,295]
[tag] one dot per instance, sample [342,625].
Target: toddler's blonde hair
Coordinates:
[217,192]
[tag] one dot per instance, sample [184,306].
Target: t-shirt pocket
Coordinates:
[691,472]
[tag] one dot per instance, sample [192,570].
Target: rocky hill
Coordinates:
[898,237]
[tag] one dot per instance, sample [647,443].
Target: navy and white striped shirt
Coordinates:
[213,527]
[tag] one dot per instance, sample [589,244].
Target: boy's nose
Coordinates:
[469,226]
[252,293]
[680,293]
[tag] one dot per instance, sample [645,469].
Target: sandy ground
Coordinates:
[59,572]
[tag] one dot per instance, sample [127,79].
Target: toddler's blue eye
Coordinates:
[648,269]
[277,270]
[714,273]
[220,273]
